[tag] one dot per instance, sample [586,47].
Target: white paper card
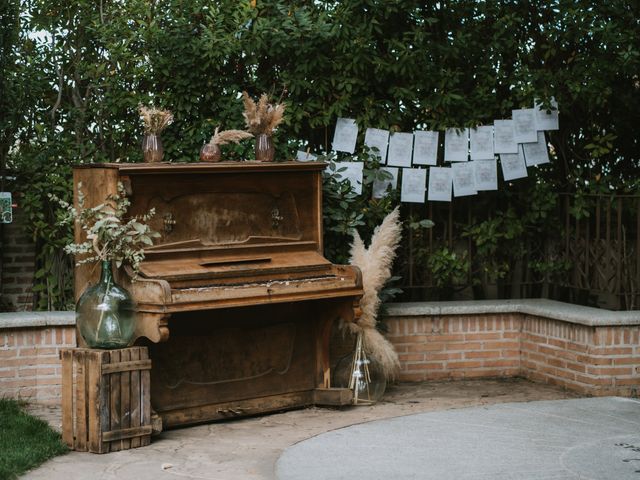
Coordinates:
[536,153]
[481,140]
[400,149]
[513,165]
[440,181]
[486,174]
[376,138]
[6,208]
[547,121]
[425,148]
[380,186]
[353,173]
[305,156]
[504,137]
[414,184]
[524,125]
[456,145]
[345,136]
[464,179]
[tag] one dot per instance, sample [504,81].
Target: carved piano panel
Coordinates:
[235,300]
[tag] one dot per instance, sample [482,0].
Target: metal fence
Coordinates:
[587,252]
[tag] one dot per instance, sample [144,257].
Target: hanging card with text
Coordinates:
[524,125]
[6,208]
[351,171]
[486,174]
[536,153]
[440,183]
[345,136]
[547,119]
[464,179]
[456,145]
[425,148]
[305,156]
[414,184]
[513,165]
[377,138]
[481,141]
[400,149]
[380,187]
[504,137]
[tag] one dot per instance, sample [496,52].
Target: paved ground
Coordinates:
[587,438]
[249,448]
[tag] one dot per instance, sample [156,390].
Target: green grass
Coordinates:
[25,441]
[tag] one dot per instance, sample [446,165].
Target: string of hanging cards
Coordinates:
[519,142]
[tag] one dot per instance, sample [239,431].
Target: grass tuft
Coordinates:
[25,441]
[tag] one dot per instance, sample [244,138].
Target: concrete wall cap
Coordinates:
[541,307]
[15,320]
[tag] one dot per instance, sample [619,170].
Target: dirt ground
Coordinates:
[248,448]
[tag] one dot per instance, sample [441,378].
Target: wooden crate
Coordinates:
[106,399]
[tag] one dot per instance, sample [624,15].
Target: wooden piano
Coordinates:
[235,300]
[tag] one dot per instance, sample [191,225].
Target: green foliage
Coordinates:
[74,73]
[448,268]
[25,441]
[110,234]
[344,210]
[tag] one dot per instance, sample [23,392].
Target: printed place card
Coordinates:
[481,141]
[456,145]
[377,138]
[351,171]
[524,125]
[414,183]
[6,212]
[464,179]
[547,120]
[504,137]
[440,182]
[345,136]
[400,149]
[305,156]
[425,147]
[536,153]
[486,174]
[513,165]
[380,187]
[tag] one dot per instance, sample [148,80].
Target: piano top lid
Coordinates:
[204,167]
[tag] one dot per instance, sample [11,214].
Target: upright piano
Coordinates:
[235,299]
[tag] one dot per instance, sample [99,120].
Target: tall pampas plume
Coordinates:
[375,264]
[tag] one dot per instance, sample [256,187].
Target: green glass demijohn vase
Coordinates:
[105,313]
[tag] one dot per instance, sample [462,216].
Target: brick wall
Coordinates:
[17,266]
[589,359]
[593,360]
[30,367]
[454,347]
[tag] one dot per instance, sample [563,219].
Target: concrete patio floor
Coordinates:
[249,448]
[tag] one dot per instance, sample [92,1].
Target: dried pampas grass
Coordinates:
[228,136]
[154,119]
[261,117]
[375,264]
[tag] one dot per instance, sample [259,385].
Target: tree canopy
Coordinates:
[74,72]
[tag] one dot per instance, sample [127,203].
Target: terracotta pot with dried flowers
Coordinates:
[154,120]
[261,119]
[210,152]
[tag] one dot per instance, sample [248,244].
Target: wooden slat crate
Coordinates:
[106,399]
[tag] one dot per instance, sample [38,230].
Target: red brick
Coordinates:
[444,356]
[464,364]
[409,357]
[501,345]
[412,367]
[482,336]
[483,354]
[464,346]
